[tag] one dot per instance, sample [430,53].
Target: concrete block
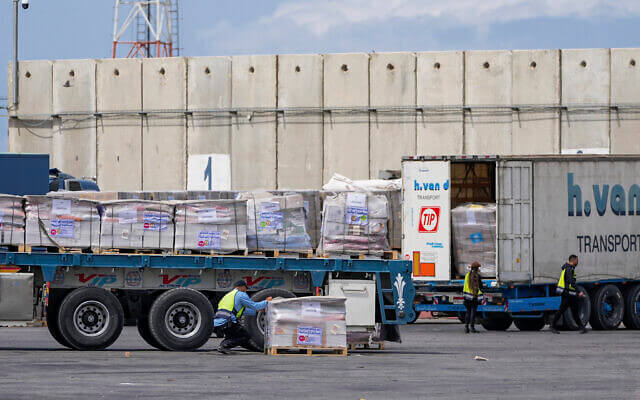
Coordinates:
[585,80]
[32,132]
[625,89]
[346,134]
[392,134]
[300,132]
[487,83]
[253,135]
[440,82]
[164,135]
[536,81]
[209,88]
[74,136]
[119,138]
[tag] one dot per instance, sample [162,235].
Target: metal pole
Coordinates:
[15,52]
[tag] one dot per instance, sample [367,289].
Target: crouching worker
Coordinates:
[472,294]
[226,321]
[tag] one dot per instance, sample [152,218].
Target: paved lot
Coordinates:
[434,361]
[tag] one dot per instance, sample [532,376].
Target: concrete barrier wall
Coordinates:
[291,121]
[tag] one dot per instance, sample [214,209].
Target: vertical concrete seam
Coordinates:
[231,123]
[322,162]
[369,60]
[95,110]
[186,122]
[277,57]
[415,103]
[464,101]
[560,95]
[609,103]
[142,126]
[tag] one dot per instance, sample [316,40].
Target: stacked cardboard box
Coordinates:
[275,222]
[136,224]
[61,222]
[11,220]
[211,225]
[354,223]
[307,322]
[474,238]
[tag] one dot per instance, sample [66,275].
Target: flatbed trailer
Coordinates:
[173,298]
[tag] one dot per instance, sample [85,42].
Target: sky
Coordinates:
[68,29]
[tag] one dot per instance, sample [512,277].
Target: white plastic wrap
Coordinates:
[305,322]
[474,238]
[11,220]
[211,225]
[61,222]
[136,224]
[354,223]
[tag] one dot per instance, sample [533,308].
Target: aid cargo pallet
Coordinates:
[306,351]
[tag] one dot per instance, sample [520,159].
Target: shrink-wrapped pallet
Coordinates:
[11,220]
[275,222]
[136,224]
[354,223]
[61,222]
[312,210]
[474,238]
[218,226]
[306,322]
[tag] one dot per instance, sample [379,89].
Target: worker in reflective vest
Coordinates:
[226,321]
[570,296]
[472,293]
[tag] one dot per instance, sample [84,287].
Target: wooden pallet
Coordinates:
[131,251]
[187,252]
[367,346]
[15,248]
[50,249]
[288,253]
[306,351]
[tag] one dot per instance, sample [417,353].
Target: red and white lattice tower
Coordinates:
[153,24]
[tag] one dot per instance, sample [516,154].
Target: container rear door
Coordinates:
[426,218]
[515,220]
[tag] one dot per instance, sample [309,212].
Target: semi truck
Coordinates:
[547,207]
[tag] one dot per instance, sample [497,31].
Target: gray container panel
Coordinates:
[16,297]
[589,208]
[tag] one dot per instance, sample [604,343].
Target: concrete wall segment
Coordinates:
[625,89]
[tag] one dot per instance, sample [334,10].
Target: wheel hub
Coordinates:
[91,318]
[183,319]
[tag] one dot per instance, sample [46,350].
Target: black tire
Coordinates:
[496,321]
[255,324]
[529,324]
[569,322]
[607,305]
[145,332]
[90,318]
[181,319]
[55,298]
[631,311]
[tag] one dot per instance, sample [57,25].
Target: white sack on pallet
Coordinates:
[61,222]
[354,223]
[339,183]
[304,322]
[136,224]
[11,220]
[474,238]
[211,225]
[275,222]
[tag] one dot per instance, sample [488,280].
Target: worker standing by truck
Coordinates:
[472,293]
[231,307]
[570,296]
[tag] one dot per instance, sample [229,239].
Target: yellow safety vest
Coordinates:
[466,290]
[228,303]
[562,284]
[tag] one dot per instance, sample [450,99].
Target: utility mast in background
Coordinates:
[156,24]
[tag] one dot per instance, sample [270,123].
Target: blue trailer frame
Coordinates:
[401,289]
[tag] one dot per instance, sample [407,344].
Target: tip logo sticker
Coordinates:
[429,219]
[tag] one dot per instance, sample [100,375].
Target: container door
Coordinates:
[515,220]
[426,218]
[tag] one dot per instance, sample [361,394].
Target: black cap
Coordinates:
[240,283]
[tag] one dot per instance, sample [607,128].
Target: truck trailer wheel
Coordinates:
[181,319]
[529,324]
[90,318]
[631,307]
[142,322]
[607,308]
[55,298]
[255,324]
[497,322]
[568,322]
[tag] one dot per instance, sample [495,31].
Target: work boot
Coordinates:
[466,329]
[224,350]
[473,329]
[553,329]
[583,330]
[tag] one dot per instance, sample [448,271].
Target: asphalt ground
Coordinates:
[435,360]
